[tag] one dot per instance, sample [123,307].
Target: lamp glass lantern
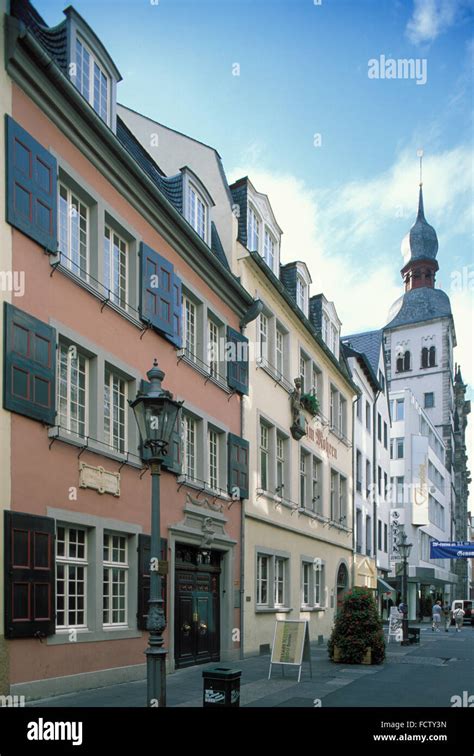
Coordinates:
[156,412]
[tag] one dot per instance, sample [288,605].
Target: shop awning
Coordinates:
[384,587]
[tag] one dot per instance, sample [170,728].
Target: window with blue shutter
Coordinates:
[31,187]
[30,366]
[237,357]
[160,294]
[29,575]
[238,465]
[144,545]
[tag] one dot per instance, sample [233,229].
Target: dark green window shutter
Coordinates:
[29,575]
[30,366]
[31,187]
[238,465]
[173,460]
[160,294]
[237,357]
[144,544]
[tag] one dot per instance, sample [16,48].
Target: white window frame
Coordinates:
[123,567]
[213,458]
[263,337]
[118,297]
[92,63]
[269,248]
[78,210]
[73,353]
[264,457]
[110,435]
[253,230]
[213,347]
[301,294]
[261,581]
[190,322]
[280,464]
[195,202]
[189,447]
[312,581]
[67,562]
[280,577]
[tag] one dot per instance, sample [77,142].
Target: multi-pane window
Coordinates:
[115,267]
[279,581]
[338,498]
[280,464]
[367,416]
[399,409]
[73,229]
[262,579]
[325,328]
[213,459]
[397,486]
[263,336]
[264,457]
[91,80]
[213,345]
[397,447]
[115,580]
[316,473]
[429,400]
[311,585]
[280,351]
[115,412]
[303,474]
[189,327]
[72,388]
[71,577]
[316,378]
[342,415]
[333,408]
[342,499]
[189,457]
[269,249]
[301,293]
[303,371]
[334,481]
[253,231]
[197,212]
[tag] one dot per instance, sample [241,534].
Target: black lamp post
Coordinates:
[155,412]
[404,549]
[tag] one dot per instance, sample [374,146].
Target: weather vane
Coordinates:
[420,153]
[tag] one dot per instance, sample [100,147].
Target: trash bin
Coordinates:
[221,687]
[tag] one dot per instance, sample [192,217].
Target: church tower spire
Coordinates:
[420,247]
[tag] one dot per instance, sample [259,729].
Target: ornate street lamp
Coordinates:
[155,412]
[404,549]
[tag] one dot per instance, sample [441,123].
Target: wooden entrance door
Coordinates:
[197,606]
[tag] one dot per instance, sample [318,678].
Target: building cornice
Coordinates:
[40,78]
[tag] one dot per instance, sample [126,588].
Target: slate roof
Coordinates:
[52,39]
[216,246]
[367,343]
[288,276]
[418,305]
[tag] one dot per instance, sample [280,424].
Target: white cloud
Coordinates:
[433,17]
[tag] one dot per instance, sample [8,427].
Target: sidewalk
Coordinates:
[427,674]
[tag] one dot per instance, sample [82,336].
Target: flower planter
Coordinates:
[367,659]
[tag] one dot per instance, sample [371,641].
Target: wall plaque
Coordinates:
[99,479]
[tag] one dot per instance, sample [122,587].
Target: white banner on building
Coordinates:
[397,520]
[420,488]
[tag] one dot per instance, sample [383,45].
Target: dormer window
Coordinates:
[301,294]
[269,250]
[198,211]
[91,80]
[253,230]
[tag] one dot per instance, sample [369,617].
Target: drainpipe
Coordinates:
[374,476]
[354,453]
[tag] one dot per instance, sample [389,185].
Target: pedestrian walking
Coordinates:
[447,617]
[436,617]
[458,615]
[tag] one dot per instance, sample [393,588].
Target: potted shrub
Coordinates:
[310,403]
[357,636]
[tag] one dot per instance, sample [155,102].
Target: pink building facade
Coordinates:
[120,266]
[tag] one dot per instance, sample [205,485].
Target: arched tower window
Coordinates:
[432,356]
[404,362]
[424,357]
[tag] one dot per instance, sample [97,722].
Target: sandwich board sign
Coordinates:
[395,628]
[291,645]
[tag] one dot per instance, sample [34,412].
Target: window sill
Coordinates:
[313,609]
[95,447]
[272,610]
[203,488]
[340,436]
[201,369]
[274,374]
[62,637]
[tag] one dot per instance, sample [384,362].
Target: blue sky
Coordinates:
[344,206]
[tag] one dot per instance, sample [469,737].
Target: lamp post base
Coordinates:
[405,641]
[156,676]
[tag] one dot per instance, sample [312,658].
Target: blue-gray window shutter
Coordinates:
[144,545]
[160,294]
[30,366]
[31,187]
[238,465]
[29,575]
[237,355]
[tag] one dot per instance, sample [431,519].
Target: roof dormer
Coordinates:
[258,228]
[296,279]
[326,321]
[91,69]
[197,204]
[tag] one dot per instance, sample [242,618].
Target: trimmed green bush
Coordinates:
[357,628]
[310,403]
